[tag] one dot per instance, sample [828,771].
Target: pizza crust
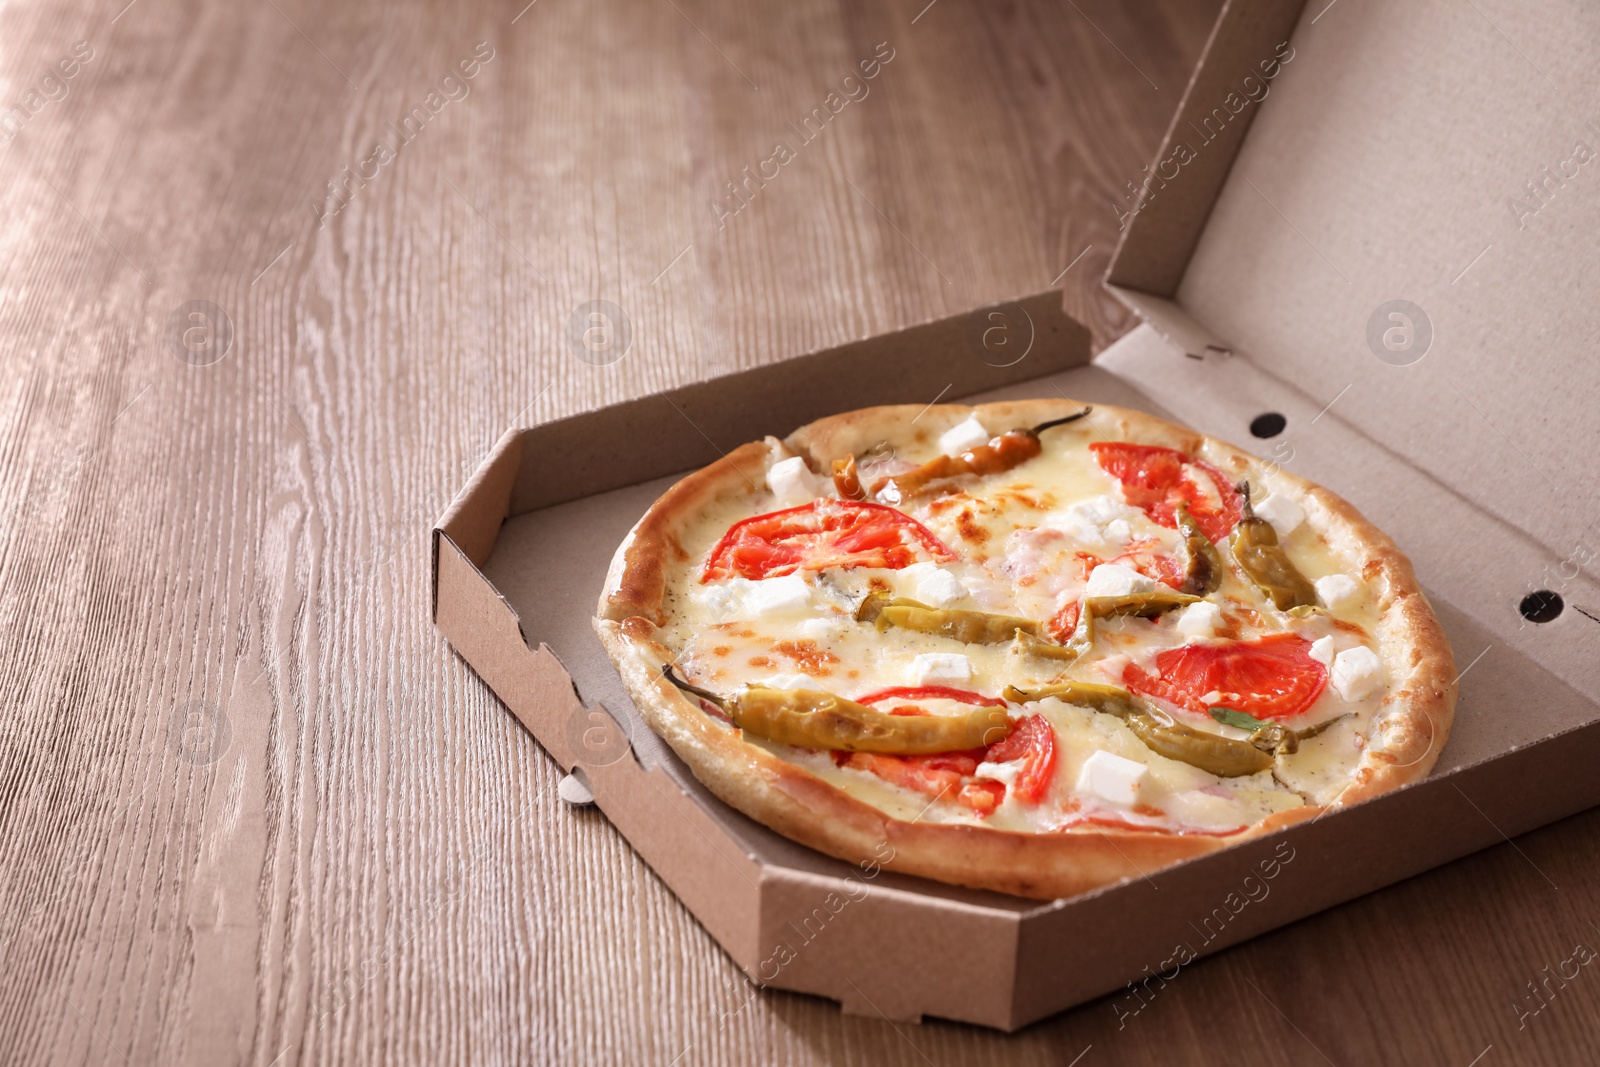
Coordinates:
[1403,744]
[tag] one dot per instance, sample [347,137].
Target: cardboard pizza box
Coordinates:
[1324,173]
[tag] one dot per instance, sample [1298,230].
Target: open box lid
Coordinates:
[1334,166]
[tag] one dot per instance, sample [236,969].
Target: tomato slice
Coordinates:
[1064,623]
[930,692]
[1157,566]
[824,533]
[1033,742]
[1273,677]
[949,775]
[953,774]
[1156,480]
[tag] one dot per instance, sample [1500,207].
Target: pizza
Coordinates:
[1033,647]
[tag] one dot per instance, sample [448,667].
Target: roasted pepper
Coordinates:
[1221,756]
[1111,699]
[968,627]
[1001,453]
[1255,546]
[811,718]
[1145,605]
[1028,643]
[1204,570]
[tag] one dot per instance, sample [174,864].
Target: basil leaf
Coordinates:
[1238,719]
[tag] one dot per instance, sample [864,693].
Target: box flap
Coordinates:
[1436,162]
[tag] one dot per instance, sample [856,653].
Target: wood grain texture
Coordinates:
[253,808]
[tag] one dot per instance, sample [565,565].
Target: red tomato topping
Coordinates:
[824,533]
[1273,677]
[1156,480]
[1064,623]
[928,692]
[952,774]
[948,775]
[1033,742]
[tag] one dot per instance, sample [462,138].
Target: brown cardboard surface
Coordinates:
[521,554]
[1386,163]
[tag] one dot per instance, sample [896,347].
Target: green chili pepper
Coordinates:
[1221,756]
[811,718]
[1028,644]
[968,627]
[1145,605]
[1255,546]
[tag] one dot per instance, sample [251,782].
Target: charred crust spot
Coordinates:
[638,627]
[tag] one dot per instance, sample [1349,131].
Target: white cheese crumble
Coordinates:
[1322,650]
[1357,673]
[1116,579]
[817,629]
[742,598]
[939,668]
[1096,522]
[933,585]
[1200,620]
[1000,772]
[792,482]
[1114,779]
[962,436]
[1337,591]
[1284,514]
[773,596]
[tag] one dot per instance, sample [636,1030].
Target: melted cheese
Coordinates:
[1027,541]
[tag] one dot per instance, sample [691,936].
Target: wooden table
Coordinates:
[255,809]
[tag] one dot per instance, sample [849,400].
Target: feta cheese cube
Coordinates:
[1322,650]
[999,772]
[1357,673]
[1284,514]
[817,629]
[1337,591]
[792,482]
[1114,779]
[773,596]
[716,599]
[1116,579]
[940,668]
[1096,522]
[939,588]
[1200,620]
[962,436]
